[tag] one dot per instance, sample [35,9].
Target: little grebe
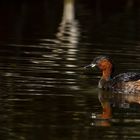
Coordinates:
[123,83]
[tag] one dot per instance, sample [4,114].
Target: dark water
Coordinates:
[44,93]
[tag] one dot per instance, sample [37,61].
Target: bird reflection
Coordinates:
[111,100]
[109,103]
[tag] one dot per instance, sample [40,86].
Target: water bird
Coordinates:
[125,86]
[127,83]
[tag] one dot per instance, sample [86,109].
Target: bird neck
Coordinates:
[105,79]
[106,74]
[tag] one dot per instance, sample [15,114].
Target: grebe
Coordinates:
[128,83]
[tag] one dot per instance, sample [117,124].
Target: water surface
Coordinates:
[45,93]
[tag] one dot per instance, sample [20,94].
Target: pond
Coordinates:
[45,93]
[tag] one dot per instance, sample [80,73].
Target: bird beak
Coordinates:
[90,66]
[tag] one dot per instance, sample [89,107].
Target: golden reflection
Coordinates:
[63,52]
[71,66]
[60,57]
[68,39]
[68,34]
